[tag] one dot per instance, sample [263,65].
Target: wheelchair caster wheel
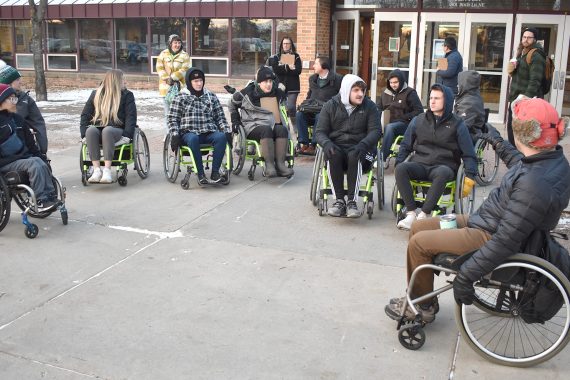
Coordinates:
[122,180]
[370,209]
[185,184]
[250,176]
[321,207]
[84,178]
[31,231]
[412,337]
[64,217]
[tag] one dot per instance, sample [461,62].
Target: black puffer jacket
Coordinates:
[127,114]
[532,195]
[28,109]
[14,132]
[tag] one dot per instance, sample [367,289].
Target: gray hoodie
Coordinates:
[346,86]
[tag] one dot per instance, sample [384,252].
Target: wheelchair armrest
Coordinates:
[451,261]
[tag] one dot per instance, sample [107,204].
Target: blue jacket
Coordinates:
[454,67]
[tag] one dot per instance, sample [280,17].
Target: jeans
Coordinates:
[216,139]
[303,127]
[39,175]
[391,131]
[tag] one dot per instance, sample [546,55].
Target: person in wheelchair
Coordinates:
[403,103]
[469,103]
[439,140]
[532,195]
[109,118]
[323,85]
[19,151]
[260,124]
[196,117]
[348,131]
[26,106]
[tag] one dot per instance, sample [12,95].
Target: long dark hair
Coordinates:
[293,48]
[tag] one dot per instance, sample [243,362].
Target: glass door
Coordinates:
[434,28]
[346,37]
[486,45]
[393,48]
[561,81]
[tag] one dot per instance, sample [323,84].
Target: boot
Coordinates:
[268,153]
[280,152]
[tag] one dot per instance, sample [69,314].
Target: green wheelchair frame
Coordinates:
[321,186]
[447,201]
[394,148]
[135,152]
[248,149]
[172,161]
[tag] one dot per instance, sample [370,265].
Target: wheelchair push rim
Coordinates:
[142,154]
[170,161]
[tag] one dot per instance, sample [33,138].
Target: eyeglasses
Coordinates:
[13,99]
[528,37]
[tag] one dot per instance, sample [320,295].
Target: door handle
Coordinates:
[374,71]
[555,81]
[562,80]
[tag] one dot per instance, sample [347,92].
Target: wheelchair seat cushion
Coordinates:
[16,177]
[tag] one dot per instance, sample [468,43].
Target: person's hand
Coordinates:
[330,149]
[463,290]
[84,140]
[468,185]
[236,126]
[175,141]
[291,67]
[170,81]
[492,136]
[123,140]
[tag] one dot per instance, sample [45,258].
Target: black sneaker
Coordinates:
[352,210]
[338,208]
[46,203]
[216,177]
[203,180]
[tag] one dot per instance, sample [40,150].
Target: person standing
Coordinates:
[26,106]
[526,79]
[448,77]
[171,66]
[288,73]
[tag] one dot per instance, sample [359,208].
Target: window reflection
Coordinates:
[162,28]
[6,41]
[131,45]
[61,36]
[96,50]
[251,45]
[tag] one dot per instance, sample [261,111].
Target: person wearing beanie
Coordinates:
[171,66]
[246,110]
[196,117]
[19,152]
[348,130]
[109,118]
[526,206]
[526,78]
[27,107]
[288,66]
[448,77]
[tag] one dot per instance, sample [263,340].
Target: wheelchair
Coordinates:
[248,149]
[487,162]
[394,148]
[136,152]
[173,160]
[450,201]
[504,324]
[321,187]
[16,185]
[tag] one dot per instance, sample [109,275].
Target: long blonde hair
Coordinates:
[108,98]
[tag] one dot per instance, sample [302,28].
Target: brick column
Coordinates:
[313,35]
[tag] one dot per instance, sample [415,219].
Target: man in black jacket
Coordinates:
[403,103]
[323,85]
[532,195]
[348,131]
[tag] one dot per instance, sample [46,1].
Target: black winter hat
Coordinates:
[451,43]
[264,73]
[194,73]
[534,32]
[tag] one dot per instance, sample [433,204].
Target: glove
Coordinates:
[170,81]
[361,150]
[235,127]
[463,290]
[175,141]
[123,140]
[492,136]
[330,149]
[468,184]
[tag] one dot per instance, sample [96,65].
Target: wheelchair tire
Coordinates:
[82,167]
[142,153]
[31,231]
[504,337]
[412,336]
[64,217]
[24,200]
[239,150]
[394,201]
[317,165]
[487,163]
[380,179]
[170,161]
[5,203]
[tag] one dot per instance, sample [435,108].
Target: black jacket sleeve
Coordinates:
[87,114]
[130,115]
[415,105]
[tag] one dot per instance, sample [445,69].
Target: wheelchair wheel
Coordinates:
[31,231]
[82,167]
[463,205]
[412,336]
[4,204]
[142,154]
[239,150]
[315,179]
[24,200]
[487,162]
[380,179]
[505,328]
[394,201]
[170,161]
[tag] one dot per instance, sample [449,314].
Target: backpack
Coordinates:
[546,82]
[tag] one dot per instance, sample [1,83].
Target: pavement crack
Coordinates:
[21,357]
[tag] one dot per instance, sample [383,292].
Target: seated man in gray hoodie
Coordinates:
[348,130]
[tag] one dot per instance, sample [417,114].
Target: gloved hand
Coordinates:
[170,81]
[468,184]
[492,136]
[123,140]
[330,149]
[361,150]
[463,290]
[236,126]
[175,141]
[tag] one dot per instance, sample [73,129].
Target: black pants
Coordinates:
[348,161]
[266,132]
[510,134]
[438,176]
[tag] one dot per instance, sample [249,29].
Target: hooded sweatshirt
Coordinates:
[345,88]
[468,102]
[403,103]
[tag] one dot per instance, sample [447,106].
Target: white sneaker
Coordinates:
[422,215]
[406,223]
[96,176]
[107,176]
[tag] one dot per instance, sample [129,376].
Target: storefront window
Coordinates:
[61,36]
[251,45]
[6,41]
[23,36]
[285,28]
[210,37]
[131,41]
[95,45]
[545,5]
[162,28]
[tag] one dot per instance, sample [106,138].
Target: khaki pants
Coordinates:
[427,240]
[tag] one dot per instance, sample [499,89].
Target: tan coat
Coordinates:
[173,67]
